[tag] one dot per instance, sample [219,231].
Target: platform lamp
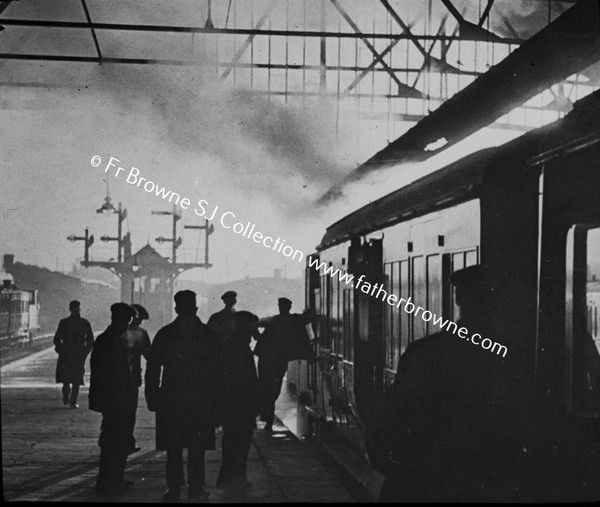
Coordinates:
[107,206]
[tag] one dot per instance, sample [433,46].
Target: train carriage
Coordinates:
[530,211]
[19,311]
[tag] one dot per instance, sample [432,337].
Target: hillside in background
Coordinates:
[95,274]
[56,290]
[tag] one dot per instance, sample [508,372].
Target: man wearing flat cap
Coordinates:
[221,322]
[113,393]
[73,342]
[182,386]
[239,402]
[456,424]
[272,349]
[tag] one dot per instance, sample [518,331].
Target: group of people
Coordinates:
[458,424]
[198,377]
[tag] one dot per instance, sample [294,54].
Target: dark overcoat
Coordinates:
[112,382]
[240,393]
[272,356]
[184,398]
[221,323]
[73,341]
[456,426]
[139,345]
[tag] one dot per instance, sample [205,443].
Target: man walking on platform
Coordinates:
[221,322]
[239,403]
[73,341]
[272,352]
[184,397]
[114,393]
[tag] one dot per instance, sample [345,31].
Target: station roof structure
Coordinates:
[421,75]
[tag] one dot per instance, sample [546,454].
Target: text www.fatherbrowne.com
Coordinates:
[227,220]
[377,291]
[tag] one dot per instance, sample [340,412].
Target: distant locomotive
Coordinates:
[530,211]
[19,312]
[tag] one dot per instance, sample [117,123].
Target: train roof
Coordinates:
[452,184]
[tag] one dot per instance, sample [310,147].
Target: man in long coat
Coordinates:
[186,352]
[239,403]
[272,351]
[73,341]
[457,424]
[114,393]
[221,322]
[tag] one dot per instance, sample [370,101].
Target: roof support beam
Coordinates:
[248,40]
[566,46]
[377,56]
[232,31]
[509,27]
[4,5]
[486,13]
[404,90]
[89,20]
[196,63]
[454,11]
[472,31]
[366,71]
[405,28]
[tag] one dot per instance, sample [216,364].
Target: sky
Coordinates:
[267,162]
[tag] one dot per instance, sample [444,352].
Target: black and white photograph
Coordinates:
[300,251]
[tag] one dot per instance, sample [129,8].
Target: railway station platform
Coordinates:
[50,452]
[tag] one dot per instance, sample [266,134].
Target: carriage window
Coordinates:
[593,285]
[471,258]
[582,320]
[404,318]
[392,319]
[325,300]
[334,320]
[419,296]
[434,288]
[339,302]
[349,324]
[460,260]
[396,335]
[319,315]
[388,324]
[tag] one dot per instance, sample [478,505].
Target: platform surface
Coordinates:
[50,452]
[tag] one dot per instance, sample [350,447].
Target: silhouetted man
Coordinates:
[114,393]
[138,345]
[272,355]
[456,425]
[221,322]
[73,341]
[239,402]
[184,398]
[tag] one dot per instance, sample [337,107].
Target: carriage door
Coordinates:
[367,259]
[583,321]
